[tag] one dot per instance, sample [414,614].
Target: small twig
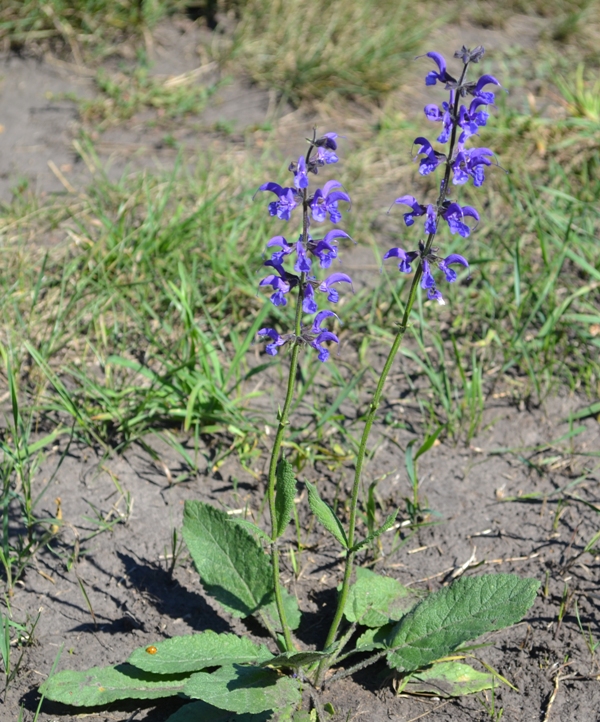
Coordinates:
[557,679]
[424,714]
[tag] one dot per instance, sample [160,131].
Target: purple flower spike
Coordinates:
[417,208]
[321,338]
[444,116]
[309,305]
[405,258]
[454,215]
[470,163]
[326,147]
[300,175]
[319,318]
[477,91]
[325,156]
[276,340]
[427,280]
[286,248]
[434,295]
[280,283]
[443,76]
[283,207]
[303,262]
[450,273]
[432,157]
[332,293]
[327,141]
[326,201]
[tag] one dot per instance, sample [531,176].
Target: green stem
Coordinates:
[283,422]
[360,457]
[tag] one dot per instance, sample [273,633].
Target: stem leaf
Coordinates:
[326,515]
[285,490]
[387,524]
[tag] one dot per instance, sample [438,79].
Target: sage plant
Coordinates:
[411,632]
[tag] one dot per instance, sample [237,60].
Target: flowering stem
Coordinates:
[360,457]
[362,450]
[283,422]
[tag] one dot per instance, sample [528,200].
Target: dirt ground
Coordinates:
[133,598]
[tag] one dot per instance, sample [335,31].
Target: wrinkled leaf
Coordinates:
[253,528]
[469,607]
[244,689]
[232,566]
[374,638]
[203,712]
[387,524]
[194,652]
[101,685]
[326,515]
[374,600]
[449,679]
[285,490]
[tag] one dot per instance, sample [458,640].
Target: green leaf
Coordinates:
[244,689]
[251,527]
[448,679]
[294,659]
[203,712]
[101,685]
[194,652]
[293,615]
[374,638]
[428,443]
[285,489]
[374,600]
[326,515]
[469,607]
[232,566]
[387,524]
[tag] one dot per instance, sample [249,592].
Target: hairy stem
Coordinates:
[283,422]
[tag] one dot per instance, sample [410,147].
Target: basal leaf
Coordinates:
[194,652]
[204,712]
[448,679]
[285,490]
[244,689]
[326,515]
[469,607]
[374,600]
[374,638]
[387,524]
[232,566]
[101,685]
